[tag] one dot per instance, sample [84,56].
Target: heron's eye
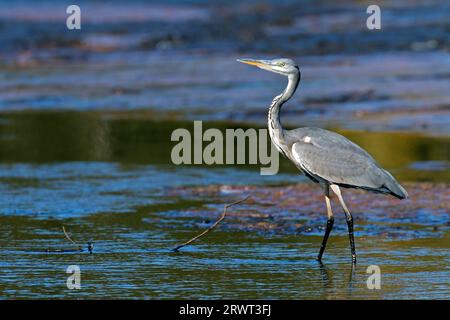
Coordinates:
[281,64]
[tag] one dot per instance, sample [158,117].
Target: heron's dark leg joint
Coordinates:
[350,221]
[330,222]
[328,229]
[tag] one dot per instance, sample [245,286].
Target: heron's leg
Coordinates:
[328,229]
[337,191]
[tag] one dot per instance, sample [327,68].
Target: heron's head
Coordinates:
[282,66]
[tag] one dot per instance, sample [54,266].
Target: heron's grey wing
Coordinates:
[336,166]
[327,139]
[339,161]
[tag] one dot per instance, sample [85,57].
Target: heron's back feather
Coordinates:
[329,157]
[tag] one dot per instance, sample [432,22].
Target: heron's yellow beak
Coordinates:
[253,62]
[250,62]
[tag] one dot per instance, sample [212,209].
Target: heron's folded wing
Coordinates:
[338,164]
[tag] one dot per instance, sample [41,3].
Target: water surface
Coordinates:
[85,124]
[108,179]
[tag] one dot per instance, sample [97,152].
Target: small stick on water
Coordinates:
[176,249]
[68,238]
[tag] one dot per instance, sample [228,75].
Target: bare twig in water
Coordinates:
[90,245]
[176,249]
[70,239]
[78,249]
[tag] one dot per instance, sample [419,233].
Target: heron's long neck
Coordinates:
[276,130]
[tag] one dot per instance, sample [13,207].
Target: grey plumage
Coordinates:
[325,157]
[331,158]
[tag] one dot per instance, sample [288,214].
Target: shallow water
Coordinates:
[85,124]
[106,178]
[132,260]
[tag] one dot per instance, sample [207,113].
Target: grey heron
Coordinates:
[325,157]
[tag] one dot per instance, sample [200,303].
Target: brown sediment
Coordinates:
[300,208]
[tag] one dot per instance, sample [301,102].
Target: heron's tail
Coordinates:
[394,187]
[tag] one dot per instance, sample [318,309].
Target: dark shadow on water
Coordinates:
[337,281]
[326,280]
[352,275]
